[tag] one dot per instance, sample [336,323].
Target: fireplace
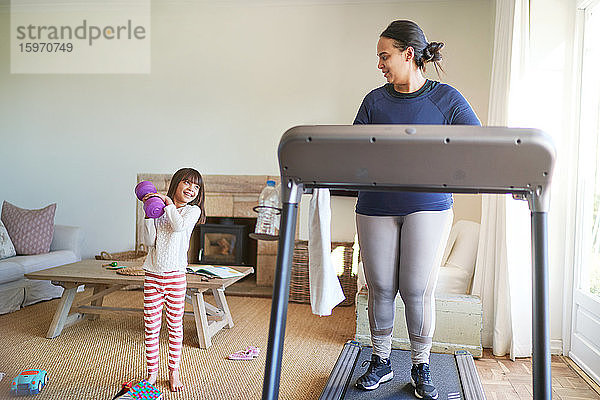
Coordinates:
[222,244]
[224,241]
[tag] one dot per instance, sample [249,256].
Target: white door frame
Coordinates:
[581,333]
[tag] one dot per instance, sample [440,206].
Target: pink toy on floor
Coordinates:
[250,353]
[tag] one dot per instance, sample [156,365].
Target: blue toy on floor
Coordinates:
[29,382]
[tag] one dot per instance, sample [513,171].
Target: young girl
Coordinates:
[168,238]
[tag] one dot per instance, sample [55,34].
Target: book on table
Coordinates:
[214,271]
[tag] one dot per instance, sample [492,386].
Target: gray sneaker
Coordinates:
[421,380]
[379,371]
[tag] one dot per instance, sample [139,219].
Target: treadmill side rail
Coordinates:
[469,379]
[341,372]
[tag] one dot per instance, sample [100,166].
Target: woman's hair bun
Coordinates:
[431,52]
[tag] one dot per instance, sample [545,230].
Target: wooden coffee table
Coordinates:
[209,319]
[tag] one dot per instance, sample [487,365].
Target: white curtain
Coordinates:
[503,252]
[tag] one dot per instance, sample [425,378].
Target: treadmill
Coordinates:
[424,158]
[460,379]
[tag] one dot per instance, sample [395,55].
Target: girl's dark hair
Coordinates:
[408,34]
[193,176]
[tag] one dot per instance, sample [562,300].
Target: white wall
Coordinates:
[226,82]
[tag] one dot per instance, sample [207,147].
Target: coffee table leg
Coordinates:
[62,312]
[219,295]
[98,302]
[201,320]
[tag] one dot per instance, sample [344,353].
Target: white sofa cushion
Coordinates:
[67,238]
[10,271]
[6,246]
[459,259]
[464,250]
[453,280]
[40,262]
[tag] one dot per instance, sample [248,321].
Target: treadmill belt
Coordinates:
[444,374]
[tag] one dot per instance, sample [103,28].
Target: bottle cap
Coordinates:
[270,183]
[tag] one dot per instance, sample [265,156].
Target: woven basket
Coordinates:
[131,255]
[299,284]
[130,271]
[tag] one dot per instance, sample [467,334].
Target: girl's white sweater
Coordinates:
[168,238]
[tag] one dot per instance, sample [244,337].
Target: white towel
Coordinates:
[325,289]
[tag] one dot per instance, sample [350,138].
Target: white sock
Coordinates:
[382,345]
[419,352]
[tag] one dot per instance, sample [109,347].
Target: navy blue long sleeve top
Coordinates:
[434,104]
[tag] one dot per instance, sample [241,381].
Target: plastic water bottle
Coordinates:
[278,212]
[268,214]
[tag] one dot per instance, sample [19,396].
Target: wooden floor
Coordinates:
[504,379]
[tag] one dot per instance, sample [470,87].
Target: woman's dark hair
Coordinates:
[193,176]
[408,34]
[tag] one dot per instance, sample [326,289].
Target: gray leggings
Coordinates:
[403,254]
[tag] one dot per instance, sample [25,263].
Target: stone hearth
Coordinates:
[231,196]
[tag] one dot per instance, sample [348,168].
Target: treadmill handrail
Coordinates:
[427,158]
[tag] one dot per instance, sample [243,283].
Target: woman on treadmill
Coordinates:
[402,235]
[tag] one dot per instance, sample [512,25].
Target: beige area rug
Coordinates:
[89,360]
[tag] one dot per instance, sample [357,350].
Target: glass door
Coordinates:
[585,328]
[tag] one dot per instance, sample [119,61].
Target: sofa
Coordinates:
[16,291]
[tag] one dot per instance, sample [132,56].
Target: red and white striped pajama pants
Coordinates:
[168,288]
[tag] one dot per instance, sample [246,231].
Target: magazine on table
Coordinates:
[214,271]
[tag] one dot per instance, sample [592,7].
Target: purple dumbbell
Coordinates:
[154,206]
